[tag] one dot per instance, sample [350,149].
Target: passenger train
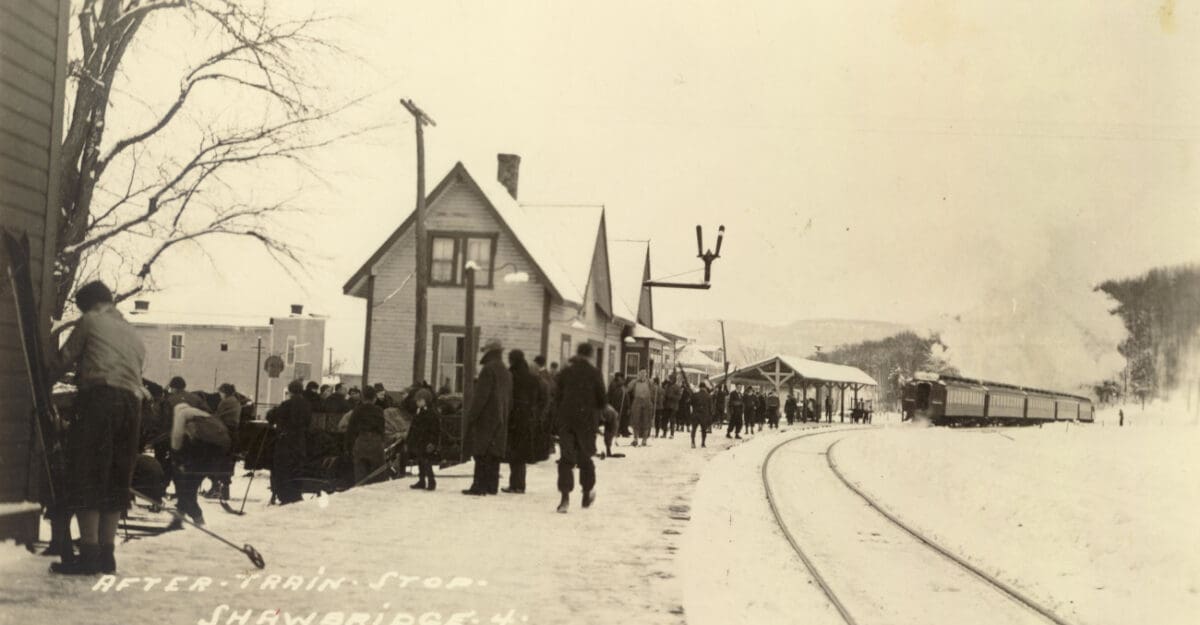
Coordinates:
[952,400]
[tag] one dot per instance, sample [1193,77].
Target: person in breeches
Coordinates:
[579,399]
[102,442]
[642,393]
[487,420]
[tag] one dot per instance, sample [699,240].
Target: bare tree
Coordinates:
[127,201]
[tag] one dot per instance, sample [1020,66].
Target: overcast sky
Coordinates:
[895,161]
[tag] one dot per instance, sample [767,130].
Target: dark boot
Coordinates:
[108,559]
[432,484]
[589,497]
[564,503]
[420,485]
[88,562]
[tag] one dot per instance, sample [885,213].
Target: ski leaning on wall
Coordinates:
[46,419]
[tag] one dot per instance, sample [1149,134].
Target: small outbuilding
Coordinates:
[784,374]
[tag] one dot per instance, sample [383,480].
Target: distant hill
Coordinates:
[748,341]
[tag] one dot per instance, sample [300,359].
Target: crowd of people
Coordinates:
[518,413]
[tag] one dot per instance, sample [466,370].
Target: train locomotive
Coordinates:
[958,401]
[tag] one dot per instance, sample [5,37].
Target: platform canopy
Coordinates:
[793,372]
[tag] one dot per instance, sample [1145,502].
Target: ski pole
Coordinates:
[258,456]
[250,552]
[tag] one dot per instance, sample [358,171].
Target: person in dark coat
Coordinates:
[772,407]
[291,420]
[312,394]
[527,398]
[671,404]
[735,414]
[381,396]
[702,413]
[545,422]
[229,412]
[364,437]
[789,408]
[423,439]
[337,402]
[684,415]
[579,399]
[719,407]
[487,420]
[616,398]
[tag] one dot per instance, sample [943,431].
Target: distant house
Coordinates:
[208,350]
[575,290]
[33,65]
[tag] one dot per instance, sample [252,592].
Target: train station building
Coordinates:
[549,279]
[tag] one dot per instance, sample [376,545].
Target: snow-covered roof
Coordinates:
[545,236]
[642,332]
[568,236]
[694,356]
[627,266]
[192,318]
[805,369]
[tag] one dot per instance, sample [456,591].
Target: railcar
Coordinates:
[953,400]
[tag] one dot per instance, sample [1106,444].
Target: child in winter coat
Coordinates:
[423,439]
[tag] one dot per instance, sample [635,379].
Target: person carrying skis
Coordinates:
[102,442]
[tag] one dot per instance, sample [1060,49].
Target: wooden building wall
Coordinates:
[33,37]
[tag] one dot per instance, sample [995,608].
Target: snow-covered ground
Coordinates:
[1097,522]
[738,566]
[406,552]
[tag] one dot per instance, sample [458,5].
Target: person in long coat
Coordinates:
[789,408]
[545,424]
[528,396]
[291,420]
[422,439]
[702,414]
[487,420]
[579,399]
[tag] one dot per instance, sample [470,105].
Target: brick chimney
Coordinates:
[297,309]
[508,171]
[141,306]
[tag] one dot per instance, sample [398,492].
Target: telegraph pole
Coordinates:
[257,373]
[422,313]
[329,371]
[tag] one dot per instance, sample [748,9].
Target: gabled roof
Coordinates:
[811,370]
[627,260]
[568,235]
[692,355]
[539,240]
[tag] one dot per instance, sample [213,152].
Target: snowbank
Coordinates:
[1097,522]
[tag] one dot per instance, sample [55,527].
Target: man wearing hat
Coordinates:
[579,398]
[487,419]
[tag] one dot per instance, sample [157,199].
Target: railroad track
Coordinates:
[823,583]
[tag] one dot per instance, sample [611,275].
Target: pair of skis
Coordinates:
[47,422]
